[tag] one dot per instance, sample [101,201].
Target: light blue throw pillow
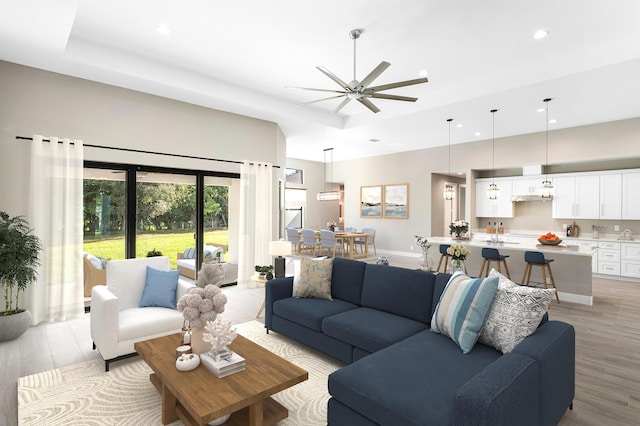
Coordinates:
[463,308]
[160,288]
[189,253]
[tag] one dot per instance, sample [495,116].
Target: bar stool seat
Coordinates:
[536,258]
[493,255]
[443,256]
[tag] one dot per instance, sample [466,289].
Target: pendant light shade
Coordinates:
[328,195]
[546,190]
[449,192]
[493,192]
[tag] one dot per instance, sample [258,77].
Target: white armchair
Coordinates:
[117,321]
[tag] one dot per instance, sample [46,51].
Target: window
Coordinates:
[294,176]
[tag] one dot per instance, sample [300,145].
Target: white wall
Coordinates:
[40,102]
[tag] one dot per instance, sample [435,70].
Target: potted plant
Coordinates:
[19,259]
[265,271]
[154,253]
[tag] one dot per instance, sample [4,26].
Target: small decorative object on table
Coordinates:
[331,225]
[426,263]
[458,228]
[219,334]
[549,239]
[266,271]
[383,260]
[187,362]
[199,306]
[459,254]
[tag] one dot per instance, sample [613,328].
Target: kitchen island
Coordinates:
[571,267]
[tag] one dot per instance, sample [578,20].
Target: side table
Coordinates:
[257,279]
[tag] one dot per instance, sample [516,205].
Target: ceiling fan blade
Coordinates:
[373,75]
[392,97]
[320,100]
[342,104]
[366,102]
[394,85]
[335,78]
[315,90]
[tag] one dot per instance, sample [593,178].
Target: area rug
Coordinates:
[83,394]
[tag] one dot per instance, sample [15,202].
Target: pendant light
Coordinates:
[546,190]
[449,192]
[493,192]
[328,195]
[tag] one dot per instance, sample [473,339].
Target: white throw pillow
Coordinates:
[515,313]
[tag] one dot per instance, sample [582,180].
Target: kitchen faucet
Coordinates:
[627,234]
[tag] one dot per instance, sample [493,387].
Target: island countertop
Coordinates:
[572,264]
[562,248]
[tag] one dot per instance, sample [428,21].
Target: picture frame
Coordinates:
[371,201]
[396,201]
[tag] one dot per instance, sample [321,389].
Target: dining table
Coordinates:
[350,238]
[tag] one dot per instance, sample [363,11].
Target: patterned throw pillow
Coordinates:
[189,253]
[463,307]
[516,313]
[315,278]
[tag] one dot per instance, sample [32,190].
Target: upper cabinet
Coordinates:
[576,197]
[611,196]
[527,186]
[500,207]
[630,198]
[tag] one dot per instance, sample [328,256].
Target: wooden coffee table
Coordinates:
[198,396]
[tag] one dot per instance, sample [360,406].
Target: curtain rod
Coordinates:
[139,151]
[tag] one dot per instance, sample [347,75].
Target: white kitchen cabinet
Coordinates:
[594,258]
[630,199]
[609,258]
[527,186]
[630,260]
[611,196]
[500,207]
[576,197]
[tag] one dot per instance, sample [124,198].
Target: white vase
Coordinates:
[426,262]
[199,346]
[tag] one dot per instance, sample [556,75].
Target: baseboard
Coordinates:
[575,298]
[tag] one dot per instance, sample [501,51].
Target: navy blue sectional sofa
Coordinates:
[399,372]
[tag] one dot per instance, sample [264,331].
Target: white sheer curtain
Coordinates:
[55,213]
[256,186]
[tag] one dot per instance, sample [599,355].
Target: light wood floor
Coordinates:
[607,350]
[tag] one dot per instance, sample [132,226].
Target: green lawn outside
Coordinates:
[168,242]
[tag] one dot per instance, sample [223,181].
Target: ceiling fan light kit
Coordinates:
[361,90]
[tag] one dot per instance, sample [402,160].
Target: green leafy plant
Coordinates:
[154,252]
[19,259]
[264,269]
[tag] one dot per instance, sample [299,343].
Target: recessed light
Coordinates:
[478,133]
[459,125]
[423,73]
[163,29]
[540,34]
[553,121]
[541,110]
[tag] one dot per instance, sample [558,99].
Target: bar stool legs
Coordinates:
[493,255]
[537,259]
[443,256]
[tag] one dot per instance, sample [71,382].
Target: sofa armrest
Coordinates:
[553,346]
[104,321]
[183,288]
[504,393]
[276,289]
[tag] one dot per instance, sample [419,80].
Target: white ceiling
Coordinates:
[238,56]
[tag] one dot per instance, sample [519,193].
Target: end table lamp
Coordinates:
[279,249]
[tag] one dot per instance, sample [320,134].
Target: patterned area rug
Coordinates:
[85,394]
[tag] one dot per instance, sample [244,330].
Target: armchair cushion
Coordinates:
[126,278]
[160,288]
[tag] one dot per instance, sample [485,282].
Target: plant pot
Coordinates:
[13,326]
[269,276]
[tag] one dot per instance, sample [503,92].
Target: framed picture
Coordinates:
[396,201]
[294,176]
[371,201]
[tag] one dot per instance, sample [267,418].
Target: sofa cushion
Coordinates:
[398,291]
[463,307]
[310,312]
[315,278]
[516,312]
[126,278]
[370,329]
[346,280]
[160,288]
[393,385]
[146,323]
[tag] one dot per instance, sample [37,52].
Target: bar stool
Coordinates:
[493,255]
[535,258]
[443,256]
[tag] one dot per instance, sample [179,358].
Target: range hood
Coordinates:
[529,197]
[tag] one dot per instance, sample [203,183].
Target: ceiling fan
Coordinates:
[360,90]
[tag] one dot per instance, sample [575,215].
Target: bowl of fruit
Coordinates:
[549,239]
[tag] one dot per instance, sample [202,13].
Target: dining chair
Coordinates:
[329,243]
[309,240]
[293,236]
[372,239]
[345,242]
